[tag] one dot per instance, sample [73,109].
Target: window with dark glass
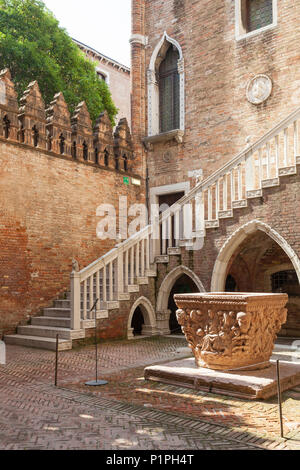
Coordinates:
[259,14]
[286,282]
[102,76]
[169,91]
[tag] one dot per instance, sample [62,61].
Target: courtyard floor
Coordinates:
[129,413]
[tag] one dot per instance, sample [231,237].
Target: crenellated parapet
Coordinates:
[59,126]
[55,131]
[104,141]
[32,116]
[123,145]
[82,134]
[9,108]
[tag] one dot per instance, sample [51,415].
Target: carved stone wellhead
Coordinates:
[231,331]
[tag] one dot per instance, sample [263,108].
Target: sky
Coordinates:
[101,24]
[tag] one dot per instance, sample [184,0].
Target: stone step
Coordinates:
[51,321]
[57,312]
[50,332]
[38,342]
[62,304]
[142,281]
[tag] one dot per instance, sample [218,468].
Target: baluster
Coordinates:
[75,301]
[126,268]
[104,284]
[170,231]
[268,160]
[232,186]
[164,237]
[98,289]
[218,192]
[137,260]
[187,221]
[249,172]
[177,227]
[260,168]
[132,265]
[148,252]
[200,212]
[120,273]
[285,151]
[111,282]
[91,296]
[225,193]
[85,300]
[277,163]
[240,183]
[296,141]
[209,204]
[143,258]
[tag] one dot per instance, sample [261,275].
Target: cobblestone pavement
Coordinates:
[128,413]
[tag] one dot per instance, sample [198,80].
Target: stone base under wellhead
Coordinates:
[251,385]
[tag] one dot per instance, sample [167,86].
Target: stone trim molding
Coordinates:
[153,91]
[219,273]
[149,327]
[168,283]
[168,189]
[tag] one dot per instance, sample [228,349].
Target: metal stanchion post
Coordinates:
[96,383]
[279,399]
[56,360]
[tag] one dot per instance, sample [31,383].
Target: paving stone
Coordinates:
[36,415]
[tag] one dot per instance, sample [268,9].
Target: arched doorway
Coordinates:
[166,291]
[137,322]
[263,262]
[141,320]
[183,285]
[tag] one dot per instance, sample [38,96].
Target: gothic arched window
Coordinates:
[169,91]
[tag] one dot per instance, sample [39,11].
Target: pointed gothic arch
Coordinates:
[157,57]
[149,327]
[220,269]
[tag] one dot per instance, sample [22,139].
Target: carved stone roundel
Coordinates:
[167,157]
[259,89]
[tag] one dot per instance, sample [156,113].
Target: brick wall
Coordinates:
[47,217]
[218,68]
[49,194]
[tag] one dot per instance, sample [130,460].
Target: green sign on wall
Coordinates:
[126,181]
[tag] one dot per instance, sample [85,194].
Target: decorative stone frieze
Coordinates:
[231,331]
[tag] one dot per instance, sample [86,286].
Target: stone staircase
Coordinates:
[122,271]
[56,320]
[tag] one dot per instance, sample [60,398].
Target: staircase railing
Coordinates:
[256,167]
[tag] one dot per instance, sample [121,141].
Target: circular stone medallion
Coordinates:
[259,89]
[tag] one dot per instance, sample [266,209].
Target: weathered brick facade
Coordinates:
[219,119]
[49,198]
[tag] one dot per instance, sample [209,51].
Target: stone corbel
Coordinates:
[176,135]
[139,39]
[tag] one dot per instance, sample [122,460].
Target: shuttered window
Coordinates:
[169,91]
[259,14]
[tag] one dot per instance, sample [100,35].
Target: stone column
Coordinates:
[163,322]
